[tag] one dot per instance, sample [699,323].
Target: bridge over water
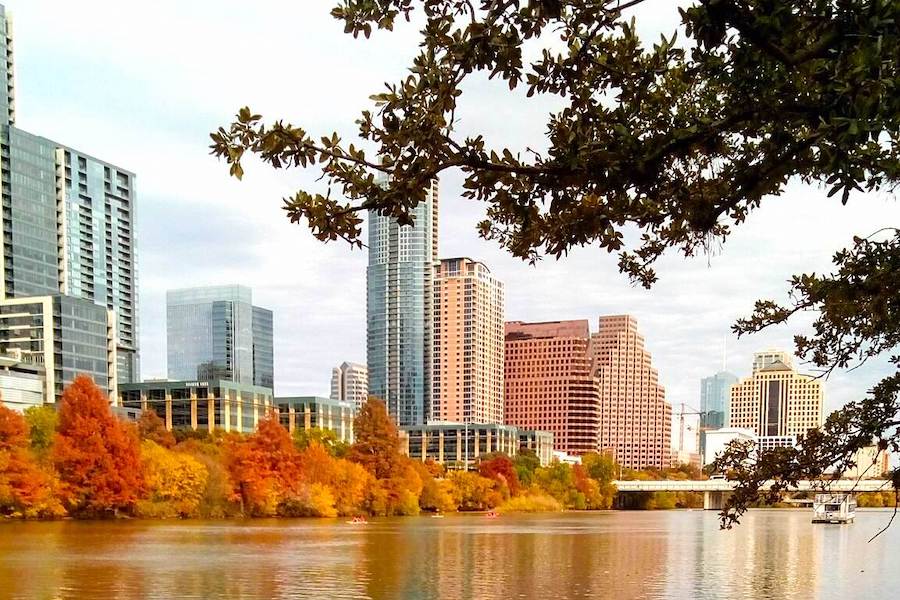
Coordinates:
[715,491]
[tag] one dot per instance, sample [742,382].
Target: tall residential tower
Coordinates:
[350,383]
[399,321]
[636,421]
[467,378]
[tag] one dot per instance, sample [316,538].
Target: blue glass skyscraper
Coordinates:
[714,398]
[399,309]
[215,332]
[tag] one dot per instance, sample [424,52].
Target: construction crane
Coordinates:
[682,427]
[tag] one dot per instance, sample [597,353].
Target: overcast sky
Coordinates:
[142,84]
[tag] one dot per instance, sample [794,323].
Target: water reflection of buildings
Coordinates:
[771,554]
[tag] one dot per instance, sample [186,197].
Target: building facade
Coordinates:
[467,375]
[548,383]
[636,422]
[776,400]
[68,223]
[217,404]
[456,444]
[311,412]
[399,325]
[715,392]
[215,332]
[763,359]
[263,347]
[350,383]
[65,336]
[23,383]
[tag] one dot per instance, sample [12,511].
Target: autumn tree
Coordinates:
[42,422]
[175,482]
[152,428]
[327,438]
[264,467]
[97,456]
[25,490]
[471,491]
[500,468]
[377,442]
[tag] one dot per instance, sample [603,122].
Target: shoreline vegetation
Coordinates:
[84,463]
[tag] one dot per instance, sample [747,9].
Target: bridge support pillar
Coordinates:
[714,500]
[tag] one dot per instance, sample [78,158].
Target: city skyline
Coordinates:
[143,128]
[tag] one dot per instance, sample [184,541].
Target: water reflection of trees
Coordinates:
[530,556]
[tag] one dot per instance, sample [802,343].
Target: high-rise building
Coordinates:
[636,420]
[763,359]
[215,332]
[776,400]
[549,385]
[467,378]
[350,383]
[68,223]
[263,348]
[715,392]
[715,395]
[399,323]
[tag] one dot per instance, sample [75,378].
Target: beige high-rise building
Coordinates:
[549,386]
[636,420]
[776,400]
[350,383]
[763,359]
[467,370]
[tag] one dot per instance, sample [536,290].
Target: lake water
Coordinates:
[674,554]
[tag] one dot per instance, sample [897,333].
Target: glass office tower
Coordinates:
[68,223]
[211,334]
[714,398]
[263,348]
[399,319]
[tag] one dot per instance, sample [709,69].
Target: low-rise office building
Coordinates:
[461,444]
[66,336]
[21,383]
[313,412]
[201,405]
[541,442]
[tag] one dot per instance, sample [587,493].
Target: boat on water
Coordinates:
[492,514]
[358,521]
[834,508]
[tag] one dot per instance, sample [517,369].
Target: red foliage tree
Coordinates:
[97,456]
[151,427]
[500,469]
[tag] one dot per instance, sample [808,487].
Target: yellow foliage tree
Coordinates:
[175,481]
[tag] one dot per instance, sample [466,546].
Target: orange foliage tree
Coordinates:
[25,490]
[264,467]
[377,445]
[97,456]
[151,427]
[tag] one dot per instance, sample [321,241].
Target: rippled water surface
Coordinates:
[676,554]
